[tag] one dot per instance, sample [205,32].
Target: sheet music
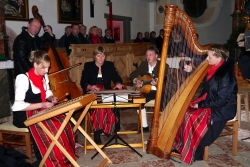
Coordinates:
[118,97]
[113,91]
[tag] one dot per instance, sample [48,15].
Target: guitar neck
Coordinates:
[146,82]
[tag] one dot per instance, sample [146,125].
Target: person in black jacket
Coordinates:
[74,38]
[97,75]
[159,40]
[62,40]
[108,38]
[26,42]
[207,115]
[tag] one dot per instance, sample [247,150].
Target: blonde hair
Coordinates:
[39,57]
[98,50]
[219,51]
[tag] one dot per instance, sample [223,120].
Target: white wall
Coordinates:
[220,30]
[142,13]
[137,9]
[216,32]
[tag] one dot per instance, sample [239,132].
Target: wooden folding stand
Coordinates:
[135,102]
[67,108]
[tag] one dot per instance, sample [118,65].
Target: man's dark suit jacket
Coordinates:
[108,40]
[72,39]
[143,70]
[159,41]
[90,72]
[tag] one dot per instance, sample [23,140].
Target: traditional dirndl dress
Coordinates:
[42,141]
[102,119]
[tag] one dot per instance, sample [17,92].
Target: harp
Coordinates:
[180,44]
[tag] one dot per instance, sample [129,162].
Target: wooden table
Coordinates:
[136,102]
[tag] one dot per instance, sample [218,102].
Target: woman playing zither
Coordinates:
[32,95]
[97,75]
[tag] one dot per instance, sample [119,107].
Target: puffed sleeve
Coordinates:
[21,87]
[47,88]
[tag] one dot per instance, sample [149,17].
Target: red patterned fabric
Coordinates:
[95,39]
[56,158]
[193,127]
[103,119]
[212,70]
[37,80]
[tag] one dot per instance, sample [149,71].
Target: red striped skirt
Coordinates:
[193,127]
[56,158]
[103,119]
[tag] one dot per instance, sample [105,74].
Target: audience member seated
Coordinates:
[208,114]
[159,40]
[74,38]
[62,40]
[93,35]
[149,67]
[153,37]
[83,30]
[146,37]
[99,32]
[97,75]
[108,38]
[138,39]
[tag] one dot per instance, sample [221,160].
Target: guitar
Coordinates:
[146,86]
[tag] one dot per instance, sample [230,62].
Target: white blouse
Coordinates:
[22,86]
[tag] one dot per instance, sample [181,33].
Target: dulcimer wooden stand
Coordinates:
[67,108]
[116,104]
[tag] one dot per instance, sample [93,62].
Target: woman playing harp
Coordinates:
[207,115]
[180,86]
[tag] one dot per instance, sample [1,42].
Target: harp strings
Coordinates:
[180,53]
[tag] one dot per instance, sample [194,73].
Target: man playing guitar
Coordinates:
[150,67]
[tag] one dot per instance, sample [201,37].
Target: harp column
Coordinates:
[168,26]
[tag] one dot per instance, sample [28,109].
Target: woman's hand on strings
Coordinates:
[188,68]
[118,86]
[47,105]
[93,88]
[52,99]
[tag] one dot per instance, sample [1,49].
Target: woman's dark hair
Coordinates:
[139,33]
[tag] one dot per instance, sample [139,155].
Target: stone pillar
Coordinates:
[6,79]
